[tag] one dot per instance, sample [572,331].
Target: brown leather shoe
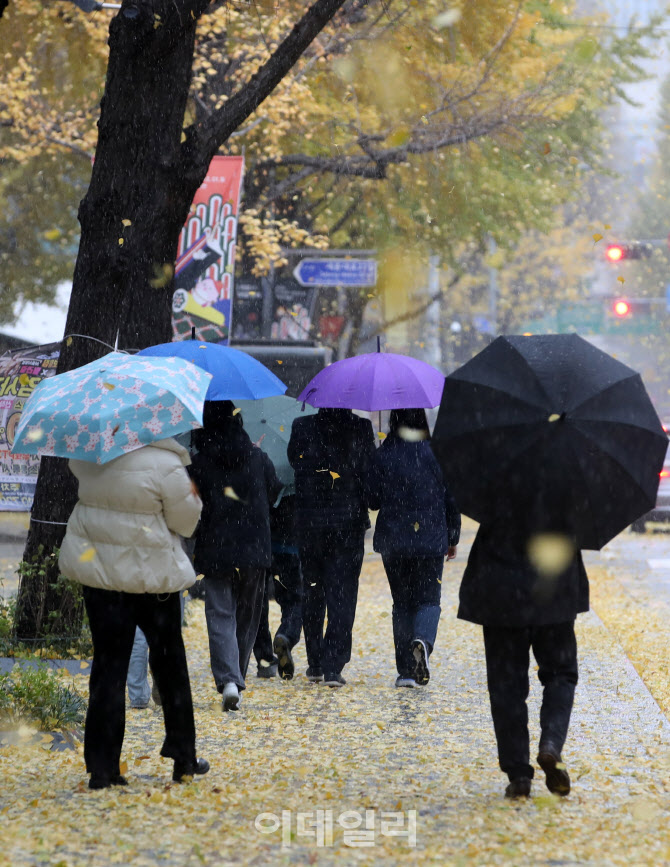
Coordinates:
[557,777]
[519,788]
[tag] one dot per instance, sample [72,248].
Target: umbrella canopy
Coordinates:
[375,381]
[235,374]
[550,432]
[270,420]
[114,405]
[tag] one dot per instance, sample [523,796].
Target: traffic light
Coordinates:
[621,308]
[628,250]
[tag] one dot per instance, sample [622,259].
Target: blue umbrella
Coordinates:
[111,406]
[235,374]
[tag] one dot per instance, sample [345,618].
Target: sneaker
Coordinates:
[405,681]
[231,697]
[314,675]
[139,706]
[421,667]
[266,669]
[186,769]
[334,680]
[556,774]
[282,650]
[519,788]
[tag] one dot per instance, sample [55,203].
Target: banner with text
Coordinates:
[20,371]
[205,265]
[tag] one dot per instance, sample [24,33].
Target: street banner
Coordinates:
[20,371]
[205,266]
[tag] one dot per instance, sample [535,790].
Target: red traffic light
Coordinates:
[621,308]
[615,252]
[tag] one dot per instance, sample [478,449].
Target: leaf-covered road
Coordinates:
[369,749]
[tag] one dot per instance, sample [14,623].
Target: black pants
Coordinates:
[113,617]
[507,660]
[285,580]
[331,563]
[416,590]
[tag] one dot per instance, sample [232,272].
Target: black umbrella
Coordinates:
[550,433]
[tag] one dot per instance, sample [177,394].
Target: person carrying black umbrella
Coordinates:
[552,446]
[330,453]
[525,587]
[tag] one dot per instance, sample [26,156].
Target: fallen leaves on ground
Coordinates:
[365,750]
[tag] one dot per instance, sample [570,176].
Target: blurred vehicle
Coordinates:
[661,512]
[295,363]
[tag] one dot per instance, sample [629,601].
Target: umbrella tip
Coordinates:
[379,343]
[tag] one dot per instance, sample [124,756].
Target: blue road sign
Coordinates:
[336,272]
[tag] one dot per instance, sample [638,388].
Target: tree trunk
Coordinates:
[142,186]
[141,117]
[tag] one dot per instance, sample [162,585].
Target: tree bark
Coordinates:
[143,182]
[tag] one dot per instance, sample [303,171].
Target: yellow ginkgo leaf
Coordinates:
[381,434]
[597,237]
[334,476]
[230,492]
[109,386]
[279,361]
[281,428]
[87,555]
[34,435]
[123,767]
[68,342]
[236,410]
[162,275]
[620,279]
[120,242]
[52,234]
[416,526]
[23,379]
[126,222]
[607,226]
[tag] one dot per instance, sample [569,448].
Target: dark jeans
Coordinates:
[331,563]
[416,590]
[507,660]
[233,603]
[113,617]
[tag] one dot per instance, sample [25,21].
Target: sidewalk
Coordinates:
[295,748]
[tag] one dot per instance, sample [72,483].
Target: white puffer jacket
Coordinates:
[122,534]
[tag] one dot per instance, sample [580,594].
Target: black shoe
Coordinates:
[187,769]
[267,671]
[334,680]
[98,782]
[556,774]
[519,788]
[282,650]
[314,675]
[421,667]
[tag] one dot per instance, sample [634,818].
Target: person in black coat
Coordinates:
[330,453]
[237,485]
[417,525]
[525,583]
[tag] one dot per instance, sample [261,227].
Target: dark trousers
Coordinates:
[416,590]
[507,660]
[113,617]
[233,603]
[285,580]
[331,563]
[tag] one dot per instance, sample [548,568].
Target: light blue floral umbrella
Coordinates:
[112,406]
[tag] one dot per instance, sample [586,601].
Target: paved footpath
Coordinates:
[300,766]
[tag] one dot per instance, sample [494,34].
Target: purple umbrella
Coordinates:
[375,381]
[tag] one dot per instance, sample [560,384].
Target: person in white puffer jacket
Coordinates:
[122,544]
